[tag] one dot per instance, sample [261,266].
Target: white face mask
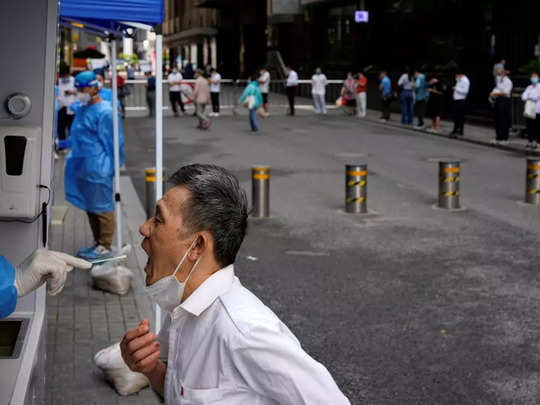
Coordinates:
[100,85]
[84,98]
[168,291]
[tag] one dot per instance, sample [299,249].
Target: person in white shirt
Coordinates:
[532,94]
[318,91]
[221,343]
[406,83]
[461,91]
[264,86]
[215,88]
[175,90]
[67,94]
[291,86]
[501,94]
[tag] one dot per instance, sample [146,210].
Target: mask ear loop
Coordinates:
[184,258]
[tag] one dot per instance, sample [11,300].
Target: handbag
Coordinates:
[530,109]
[249,102]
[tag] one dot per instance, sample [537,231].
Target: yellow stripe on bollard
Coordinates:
[357,173]
[451,193]
[451,170]
[353,183]
[533,167]
[261,176]
[451,179]
[356,200]
[151,179]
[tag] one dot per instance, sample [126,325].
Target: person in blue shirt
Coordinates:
[41,266]
[89,169]
[385,87]
[252,98]
[421,97]
[104,92]
[151,92]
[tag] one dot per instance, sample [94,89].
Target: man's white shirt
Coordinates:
[226,347]
[264,82]
[318,84]
[462,88]
[215,82]
[504,85]
[292,79]
[532,92]
[172,78]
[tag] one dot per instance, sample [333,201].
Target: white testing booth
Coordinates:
[27,75]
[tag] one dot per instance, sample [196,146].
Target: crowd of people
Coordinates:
[418,95]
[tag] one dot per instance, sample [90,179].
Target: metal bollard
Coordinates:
[260,191]
[150,191]
[449,178]
[356,189]
[532,183]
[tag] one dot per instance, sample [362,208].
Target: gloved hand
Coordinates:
[46,265]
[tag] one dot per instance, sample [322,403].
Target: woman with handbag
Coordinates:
[252,99]
[531,97]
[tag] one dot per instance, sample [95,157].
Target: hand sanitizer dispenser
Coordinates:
[20,156]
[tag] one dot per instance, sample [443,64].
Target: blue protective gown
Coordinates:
[8,292]
[90,163]
[106,94]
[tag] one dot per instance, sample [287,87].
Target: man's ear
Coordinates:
[204,243]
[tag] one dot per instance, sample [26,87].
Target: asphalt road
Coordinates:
[407,304]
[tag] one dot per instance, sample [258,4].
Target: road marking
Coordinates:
[305,253]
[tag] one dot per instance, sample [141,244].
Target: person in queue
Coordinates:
[222,344]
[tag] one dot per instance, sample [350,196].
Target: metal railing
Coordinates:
[231,90]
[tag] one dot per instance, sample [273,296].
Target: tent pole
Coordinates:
[118,206]
[159,136]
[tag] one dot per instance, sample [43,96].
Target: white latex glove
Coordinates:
[46,265]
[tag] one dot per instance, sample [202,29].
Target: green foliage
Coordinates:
[131,59]
[532,66]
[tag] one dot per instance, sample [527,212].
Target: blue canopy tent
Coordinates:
[114,19]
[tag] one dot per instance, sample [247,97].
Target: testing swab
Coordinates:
[109,259]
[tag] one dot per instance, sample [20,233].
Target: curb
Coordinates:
[510,148]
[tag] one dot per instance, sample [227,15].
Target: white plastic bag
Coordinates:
[108,277]
[117,373]
[530,109]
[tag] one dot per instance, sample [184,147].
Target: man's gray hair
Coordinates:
[216,204]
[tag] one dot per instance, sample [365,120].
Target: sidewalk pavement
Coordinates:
[481,135]
[82,320]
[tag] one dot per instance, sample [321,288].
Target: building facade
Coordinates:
[226,34]
[190,34]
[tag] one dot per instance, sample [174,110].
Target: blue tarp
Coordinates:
[108,14]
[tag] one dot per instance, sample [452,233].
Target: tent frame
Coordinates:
[112,36]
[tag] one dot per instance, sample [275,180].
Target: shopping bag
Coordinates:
[117,373]
[530,109]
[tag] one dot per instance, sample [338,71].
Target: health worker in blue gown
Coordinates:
[90,164]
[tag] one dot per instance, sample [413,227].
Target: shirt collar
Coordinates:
[214,286]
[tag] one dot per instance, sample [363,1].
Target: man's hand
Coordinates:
[46,265]
[140,350]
